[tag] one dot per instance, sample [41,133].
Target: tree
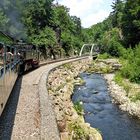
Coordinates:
[46,40]
[131,22]
[70,34]
[37,15]
[117,13]
[77,24]
[3,20]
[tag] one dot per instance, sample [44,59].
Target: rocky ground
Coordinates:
[60,84]
[120,97]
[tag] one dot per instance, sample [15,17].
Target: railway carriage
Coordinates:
[9,68]
[14,60]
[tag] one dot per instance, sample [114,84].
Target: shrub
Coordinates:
[118,79]
[104,56]
[131,67]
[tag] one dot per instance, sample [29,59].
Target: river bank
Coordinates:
[60,85]
[120,95]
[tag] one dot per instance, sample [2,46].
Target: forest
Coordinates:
[119,36]
[50,26]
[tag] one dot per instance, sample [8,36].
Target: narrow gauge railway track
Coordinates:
[21,117]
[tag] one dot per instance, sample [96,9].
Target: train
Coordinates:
[15,58]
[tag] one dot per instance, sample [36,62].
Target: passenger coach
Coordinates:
[14,60]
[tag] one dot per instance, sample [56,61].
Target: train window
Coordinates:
[1,55]
[35,55]
[9,55]
[14,54]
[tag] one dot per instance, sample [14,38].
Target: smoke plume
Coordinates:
[12,9]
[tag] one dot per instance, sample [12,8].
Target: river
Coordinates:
[101,113]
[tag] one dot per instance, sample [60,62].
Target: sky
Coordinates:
[89,11]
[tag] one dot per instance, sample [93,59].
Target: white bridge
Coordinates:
[92,49]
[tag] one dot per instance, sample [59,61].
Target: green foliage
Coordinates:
[130,65]
[135,97]
[131,22]
[104,56]
[67,66]
[3,19]
[42,18]
[120,28]
[44,37]
[79,108]
[5,39]
[118,78]
[37,15]
[131,69]
[106,69]
[79,132]
[117,13]
[120,81]
[61,17]
[112,42]
[36,19]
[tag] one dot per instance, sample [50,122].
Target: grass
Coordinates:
[120,81]
[94,68]
[106,69]
[67,66]
[79,108]
[135,97]
[78,132]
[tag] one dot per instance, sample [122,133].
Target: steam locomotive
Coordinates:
[14,60]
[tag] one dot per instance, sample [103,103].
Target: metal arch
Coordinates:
[92,49]
[92,46]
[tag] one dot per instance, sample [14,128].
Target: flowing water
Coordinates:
[101,113]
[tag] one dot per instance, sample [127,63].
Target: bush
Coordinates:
[104,56]
[112,42]
[118,79]
[131,64]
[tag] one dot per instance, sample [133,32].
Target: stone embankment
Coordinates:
[60,86]
[119,95]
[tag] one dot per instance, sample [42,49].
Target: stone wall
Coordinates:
[60,86]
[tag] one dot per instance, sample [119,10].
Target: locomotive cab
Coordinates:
[29,55]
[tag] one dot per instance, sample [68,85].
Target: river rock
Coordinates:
[119,96]
[62,125]
[94,92]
